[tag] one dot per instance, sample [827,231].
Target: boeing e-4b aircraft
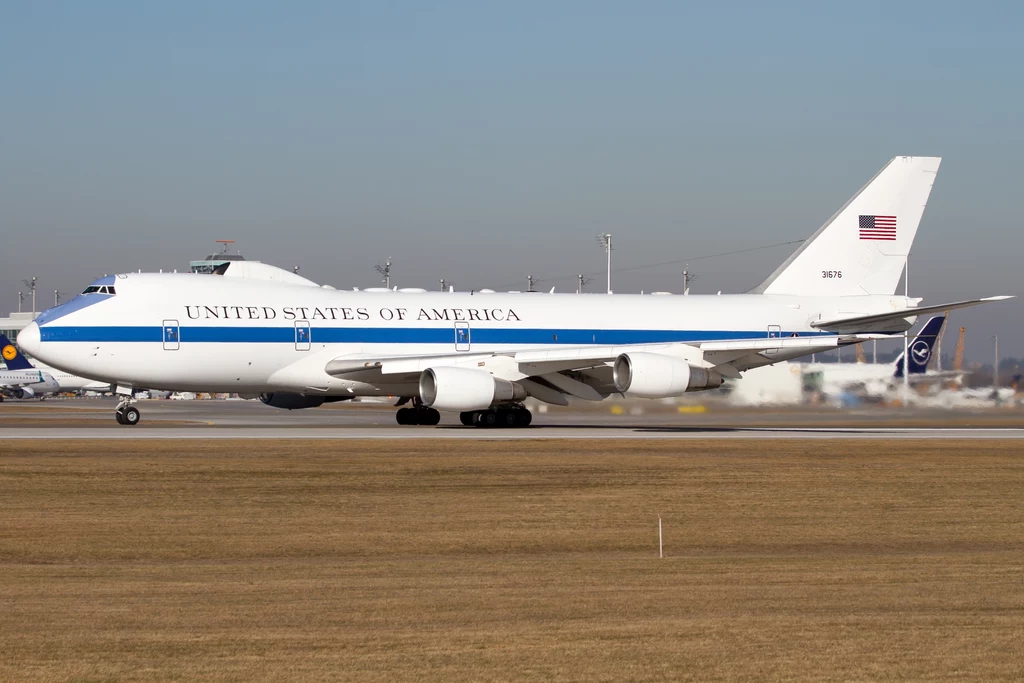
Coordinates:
[481,354]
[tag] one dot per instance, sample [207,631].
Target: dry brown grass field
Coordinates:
[349,560]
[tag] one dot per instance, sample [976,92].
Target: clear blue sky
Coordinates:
[483,142]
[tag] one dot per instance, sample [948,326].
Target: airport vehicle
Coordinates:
[20,379]
[481,353]
[65,380]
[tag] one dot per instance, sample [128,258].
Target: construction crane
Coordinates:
[958,360]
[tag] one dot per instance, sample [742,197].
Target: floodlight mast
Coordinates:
[31,284]
[605,241]
[385,272]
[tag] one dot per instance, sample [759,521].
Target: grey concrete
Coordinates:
[293,433]
[93,419]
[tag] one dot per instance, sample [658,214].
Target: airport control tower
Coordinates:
[213,261]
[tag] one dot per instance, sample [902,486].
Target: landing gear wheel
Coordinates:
[467,418]
[490,419]
[525,418]
[430,417]
[404,416]
[510,418]
[127,415]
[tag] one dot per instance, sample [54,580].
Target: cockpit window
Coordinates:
[96,289]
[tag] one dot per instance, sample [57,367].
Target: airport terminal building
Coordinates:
[15,323]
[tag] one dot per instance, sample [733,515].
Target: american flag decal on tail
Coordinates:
[878,228]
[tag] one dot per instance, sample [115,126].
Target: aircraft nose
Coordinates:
[29,339]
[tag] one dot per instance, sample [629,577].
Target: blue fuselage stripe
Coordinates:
[395,335]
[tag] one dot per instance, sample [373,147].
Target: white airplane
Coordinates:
[19,381]
[481,354]
[787,383]
[65,380]
[879,379]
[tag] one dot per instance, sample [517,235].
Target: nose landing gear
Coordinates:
[419,414]
[126,414]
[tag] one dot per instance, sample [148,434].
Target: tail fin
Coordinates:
[921,348]
[862,248]
[12,356]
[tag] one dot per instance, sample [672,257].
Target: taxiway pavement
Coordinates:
[93,419]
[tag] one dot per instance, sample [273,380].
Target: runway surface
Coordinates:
[93,419]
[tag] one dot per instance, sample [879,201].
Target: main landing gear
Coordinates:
[501,416]
[420,415]
[126,414]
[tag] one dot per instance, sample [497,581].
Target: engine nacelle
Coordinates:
[24,392]
[654,375]
[287,401]
[447,388]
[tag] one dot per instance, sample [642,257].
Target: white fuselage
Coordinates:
[37,382]
[190,332]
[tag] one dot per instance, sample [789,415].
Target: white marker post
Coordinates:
[661,554]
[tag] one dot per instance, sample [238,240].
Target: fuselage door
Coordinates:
[171,335]
[462,336]
[302,339]
[774,332]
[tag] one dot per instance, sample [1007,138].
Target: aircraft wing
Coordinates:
[585,371]
[879,320]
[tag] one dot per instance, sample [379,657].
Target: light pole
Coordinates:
[995,365]
[385,272]
[605,241]
[31,284]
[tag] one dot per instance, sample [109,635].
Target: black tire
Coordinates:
[467,418]
[119,416]
[525,418]
[432,417]
[403,416]
[510,418]
[490,419]
[131,416]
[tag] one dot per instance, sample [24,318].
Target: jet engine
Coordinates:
[654,375]
[464,389]
[24,392]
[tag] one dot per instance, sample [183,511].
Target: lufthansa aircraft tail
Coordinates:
[921,348]
[12,356]
[863,247]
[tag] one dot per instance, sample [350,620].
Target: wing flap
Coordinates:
[898,319]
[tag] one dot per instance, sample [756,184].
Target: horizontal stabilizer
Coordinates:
[895,319]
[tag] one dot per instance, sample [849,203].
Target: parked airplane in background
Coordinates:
[479,353]
[878,379]
[20,379]
[65,380]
